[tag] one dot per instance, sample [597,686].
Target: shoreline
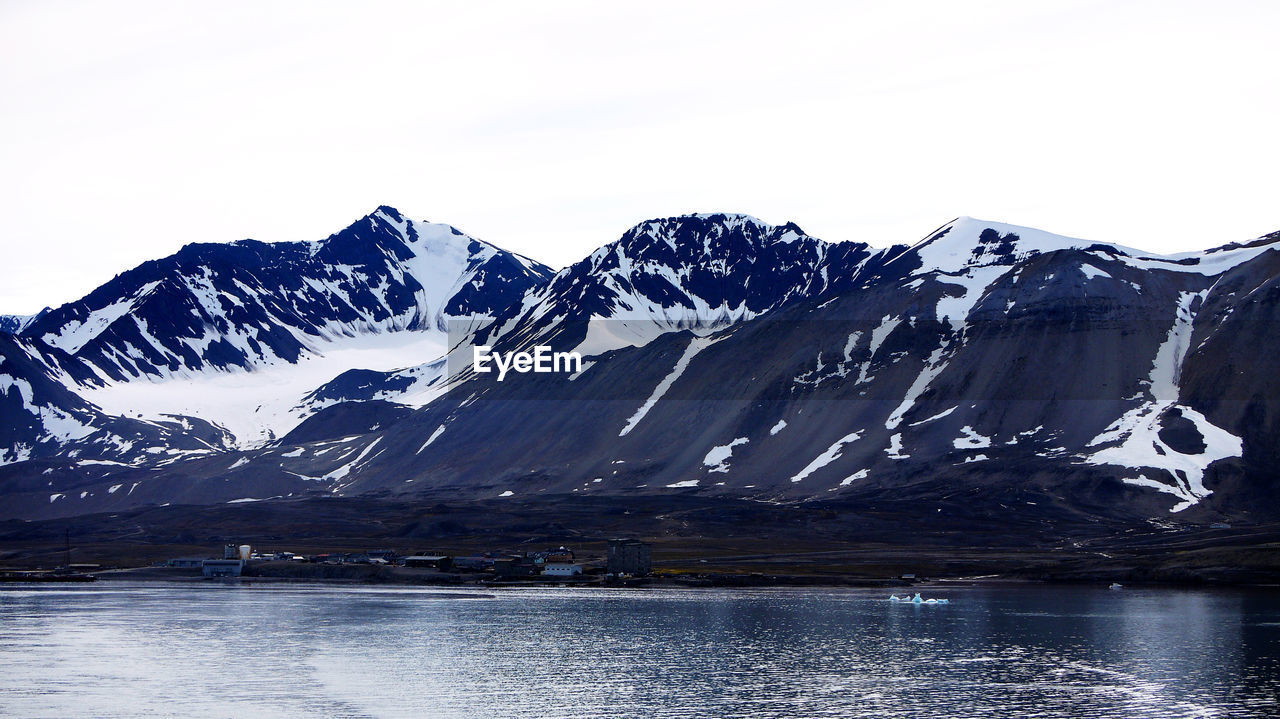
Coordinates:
[480,583]
[695,542]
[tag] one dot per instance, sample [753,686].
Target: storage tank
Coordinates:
[245,551]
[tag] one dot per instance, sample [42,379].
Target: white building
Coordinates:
[562,569]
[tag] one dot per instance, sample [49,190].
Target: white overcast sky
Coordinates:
[129,129]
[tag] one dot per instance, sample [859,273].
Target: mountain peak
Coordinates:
[708,219]
[389,212]
[967,242]
[702,235]
[385,227]
[729,217]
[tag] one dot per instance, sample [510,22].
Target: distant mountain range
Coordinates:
[991,365]
[13,324]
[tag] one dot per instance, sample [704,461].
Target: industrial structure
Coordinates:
[630,557]
[223,567]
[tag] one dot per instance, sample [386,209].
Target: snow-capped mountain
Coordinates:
[696,272]
[240,335]
[250,304]
[1003,367]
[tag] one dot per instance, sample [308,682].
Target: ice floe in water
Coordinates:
[917,599]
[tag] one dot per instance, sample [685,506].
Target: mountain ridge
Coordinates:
[725,356]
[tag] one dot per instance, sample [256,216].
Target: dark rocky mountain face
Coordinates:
[1002,368]
[980,361]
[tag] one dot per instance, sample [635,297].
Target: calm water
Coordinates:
[238,651]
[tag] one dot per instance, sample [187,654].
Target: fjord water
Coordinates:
[214,650]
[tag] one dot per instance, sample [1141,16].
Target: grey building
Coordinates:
[223,567]
[630,556]
[433,561]
[515,567]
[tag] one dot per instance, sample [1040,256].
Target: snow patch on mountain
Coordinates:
[973,282]
[346,469]
[860,474]
[1167,366]
[262,405]
[1136,443]
[937,416]
[1091,272]
[894,450]
[434,436]
[718,458]
[829,455]
[606,334]
[76,334]
[1135,440]
[966,243]
[881,331]
[696,345]
[22,386]
[932,368]
[971,439]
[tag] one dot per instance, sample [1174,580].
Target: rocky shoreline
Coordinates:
[696,542]
[365,575]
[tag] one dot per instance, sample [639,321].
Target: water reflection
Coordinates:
[346,652]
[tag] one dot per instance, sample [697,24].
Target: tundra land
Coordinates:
[700,541]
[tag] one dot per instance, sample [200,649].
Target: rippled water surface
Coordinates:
[124,650]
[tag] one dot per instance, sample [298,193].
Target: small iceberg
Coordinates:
[1116,585]
[917,599]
